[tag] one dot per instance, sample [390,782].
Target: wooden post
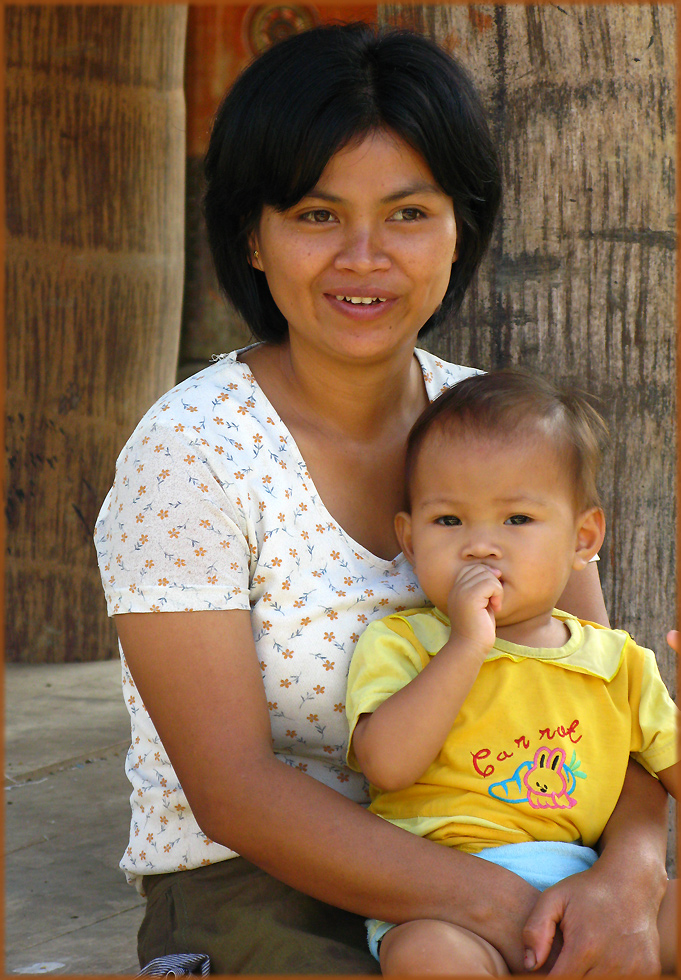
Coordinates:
[95,199]
[580,282]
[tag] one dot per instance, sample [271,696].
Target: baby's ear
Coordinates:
[403,532]
[590,534]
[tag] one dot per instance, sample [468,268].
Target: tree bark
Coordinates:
[580,281]
[95,153]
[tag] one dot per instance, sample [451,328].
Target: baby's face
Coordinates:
[506,504]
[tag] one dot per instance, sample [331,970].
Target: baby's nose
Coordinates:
[482,545]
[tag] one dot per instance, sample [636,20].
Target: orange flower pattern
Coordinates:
[232,520]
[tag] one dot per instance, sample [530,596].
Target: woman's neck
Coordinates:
[354,401]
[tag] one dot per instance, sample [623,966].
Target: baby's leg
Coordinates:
[667,926]
[428,946]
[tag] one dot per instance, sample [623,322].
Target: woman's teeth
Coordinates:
[361,300]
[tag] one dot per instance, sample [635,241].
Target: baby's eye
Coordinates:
[448,521]
[517,519]
[319,216]
[408,214]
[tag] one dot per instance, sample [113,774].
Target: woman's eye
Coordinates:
[317,217]
[408,214]
[448,521]
[518,519]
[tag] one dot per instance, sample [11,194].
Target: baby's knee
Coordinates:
[410,949]
[429,946]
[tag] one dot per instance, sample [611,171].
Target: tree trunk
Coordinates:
[580,281]
[216,53]
[95,154]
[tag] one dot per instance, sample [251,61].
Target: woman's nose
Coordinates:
[362,251]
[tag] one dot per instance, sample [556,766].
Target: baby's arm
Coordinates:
[396,743]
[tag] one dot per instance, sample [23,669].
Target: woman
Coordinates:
[351,192]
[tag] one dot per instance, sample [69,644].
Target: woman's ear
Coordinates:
[590,534]
[403,532]
[254,254]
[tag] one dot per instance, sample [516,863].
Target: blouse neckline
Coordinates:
[383,563]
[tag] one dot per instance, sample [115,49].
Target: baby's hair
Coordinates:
[511,403]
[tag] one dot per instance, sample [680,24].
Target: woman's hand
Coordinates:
[606,926]
[608,914]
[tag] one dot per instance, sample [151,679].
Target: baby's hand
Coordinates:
[474,599]
[674,640]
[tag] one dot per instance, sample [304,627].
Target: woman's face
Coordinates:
[361,262]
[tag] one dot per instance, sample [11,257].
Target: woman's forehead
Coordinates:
[381,157]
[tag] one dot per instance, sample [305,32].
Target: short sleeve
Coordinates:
[169,536]
[654,732]
[383,663]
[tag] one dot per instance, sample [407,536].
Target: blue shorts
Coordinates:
[540,863]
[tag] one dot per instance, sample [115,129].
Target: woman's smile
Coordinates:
[361,307]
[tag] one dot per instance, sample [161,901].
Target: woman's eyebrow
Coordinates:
[418,187]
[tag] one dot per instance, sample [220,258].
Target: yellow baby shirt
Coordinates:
[540,747]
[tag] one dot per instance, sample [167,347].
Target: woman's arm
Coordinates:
[671,779]
[608,914]
[583,596]
[200,680]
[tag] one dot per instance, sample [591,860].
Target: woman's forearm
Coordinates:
[211,714]
[317,841]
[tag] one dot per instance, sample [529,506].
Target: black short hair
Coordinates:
[507,404]
[311,95]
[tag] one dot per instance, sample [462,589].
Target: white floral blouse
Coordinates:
[212,507]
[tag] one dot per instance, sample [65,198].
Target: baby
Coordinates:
[493,722]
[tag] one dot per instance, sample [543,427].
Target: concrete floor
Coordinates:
[68,909]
